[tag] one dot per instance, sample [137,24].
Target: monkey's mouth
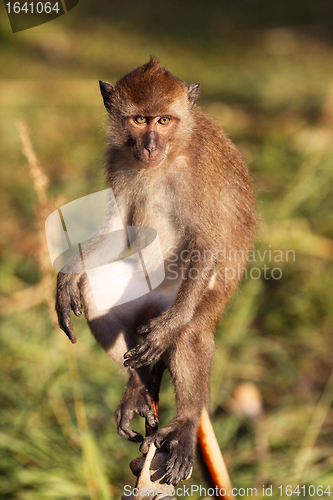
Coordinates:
[150,162]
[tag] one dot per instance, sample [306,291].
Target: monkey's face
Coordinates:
[150,113]
[150,137]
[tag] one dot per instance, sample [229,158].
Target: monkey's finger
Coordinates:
[151,419]
[134,363]
[138,354]
[144,328]
[146,443]
[66,325]
[124,429]
[144,354]
[76,306]
[149,415]
[160,440]
[123,418]
[137,351]
[143,359]
[71,335]
[138,362]
[130,435]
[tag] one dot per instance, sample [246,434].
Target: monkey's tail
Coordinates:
[212,457]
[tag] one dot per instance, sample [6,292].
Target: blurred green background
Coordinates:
[266,74]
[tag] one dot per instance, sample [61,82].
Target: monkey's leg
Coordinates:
[116,338]
[189,362]
[136,399]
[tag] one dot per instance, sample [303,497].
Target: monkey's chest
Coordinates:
[160,215]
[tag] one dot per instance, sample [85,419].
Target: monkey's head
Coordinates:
[150,112]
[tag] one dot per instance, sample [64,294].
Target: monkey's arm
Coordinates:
[160,332]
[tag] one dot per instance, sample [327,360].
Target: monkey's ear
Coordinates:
[106,91]
[193,92]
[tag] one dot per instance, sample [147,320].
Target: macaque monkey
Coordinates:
[172,168]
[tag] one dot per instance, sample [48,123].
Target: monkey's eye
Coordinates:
[140,119]
[164,120]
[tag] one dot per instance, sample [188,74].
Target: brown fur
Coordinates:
[149,86]
[188,181]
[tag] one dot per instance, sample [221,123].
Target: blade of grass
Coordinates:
[303,457]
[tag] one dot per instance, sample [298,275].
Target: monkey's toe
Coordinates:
[179,464]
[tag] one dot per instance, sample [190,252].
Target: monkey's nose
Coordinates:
[150,144]
[150,147]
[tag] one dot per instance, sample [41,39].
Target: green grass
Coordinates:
[271,89]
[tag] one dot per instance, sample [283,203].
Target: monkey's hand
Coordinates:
[68,299]
[159,334]
[135,400]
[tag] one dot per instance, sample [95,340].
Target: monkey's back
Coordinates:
[222,186]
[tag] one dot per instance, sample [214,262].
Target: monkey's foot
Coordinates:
[179,439]
[135,400]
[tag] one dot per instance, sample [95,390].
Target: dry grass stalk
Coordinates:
[43,210]
[41,181]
